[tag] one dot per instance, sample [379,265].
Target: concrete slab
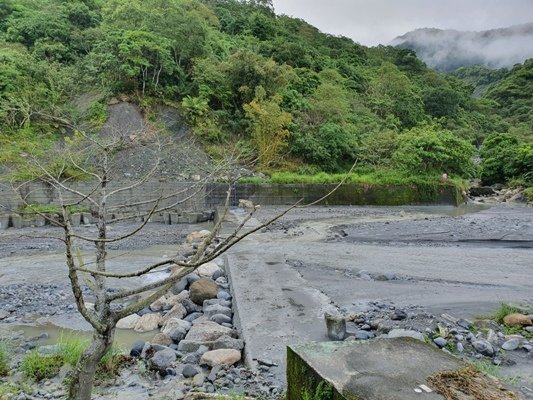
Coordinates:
[385,369]
[270,315]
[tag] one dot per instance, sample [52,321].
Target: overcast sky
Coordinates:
[371,22]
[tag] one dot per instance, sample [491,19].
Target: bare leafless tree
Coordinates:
[94,157]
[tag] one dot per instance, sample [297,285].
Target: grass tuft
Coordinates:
[38,366]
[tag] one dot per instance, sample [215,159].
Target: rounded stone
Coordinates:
[189,371]
[511,344]
[483,347]
[203,289]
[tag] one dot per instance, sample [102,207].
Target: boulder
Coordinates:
[162,339]
[246,204]
[481,191]
[483,347]
[137,348]
[197,236]
[189,371]
[207,270]
[158,304]
[180,286]
[486,324]
[177,334]
[147,323]
[517,320]
[128,322]
[162,360]
[203,289]
[220,319]
[208,331]
[173,323]
[511,344]
[172,300]
[217,309]
[227,342]
[335,325]
[220,357]
[204,333]
[176,312]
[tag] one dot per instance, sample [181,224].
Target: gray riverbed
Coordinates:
[461,261]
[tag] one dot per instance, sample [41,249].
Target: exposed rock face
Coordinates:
[221,357]
[203,289]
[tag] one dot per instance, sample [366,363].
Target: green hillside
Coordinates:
[292,98]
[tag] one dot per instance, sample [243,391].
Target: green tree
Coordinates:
[505,157]
[268,128]
[429,149]
[392,93]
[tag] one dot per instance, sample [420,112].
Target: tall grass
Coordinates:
[38,366]
[71,347]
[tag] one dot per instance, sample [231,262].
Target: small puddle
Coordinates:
[124,338]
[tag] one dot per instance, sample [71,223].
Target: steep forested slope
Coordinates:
[288,95]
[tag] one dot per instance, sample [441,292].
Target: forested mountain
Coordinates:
[292,97]
[446,50]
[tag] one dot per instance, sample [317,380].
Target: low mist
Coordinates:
[447,50]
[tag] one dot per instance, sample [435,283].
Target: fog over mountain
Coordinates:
[447,50]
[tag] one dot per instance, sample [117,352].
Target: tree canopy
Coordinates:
[241,73]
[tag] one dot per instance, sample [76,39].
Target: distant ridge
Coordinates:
[447,50]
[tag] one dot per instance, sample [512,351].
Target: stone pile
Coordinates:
[196,340]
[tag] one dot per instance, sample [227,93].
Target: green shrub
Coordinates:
[529,194]
[37,366]
[428,149]
[4,359]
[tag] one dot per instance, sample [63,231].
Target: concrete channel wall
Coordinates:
[190,195]
[199,200]
[348,194]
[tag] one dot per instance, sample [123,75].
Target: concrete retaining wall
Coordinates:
[40,193]
[210,196]
[349,194]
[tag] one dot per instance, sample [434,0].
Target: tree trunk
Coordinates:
[82,379]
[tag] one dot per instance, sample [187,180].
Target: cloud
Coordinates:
[371,22]
[447,50]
